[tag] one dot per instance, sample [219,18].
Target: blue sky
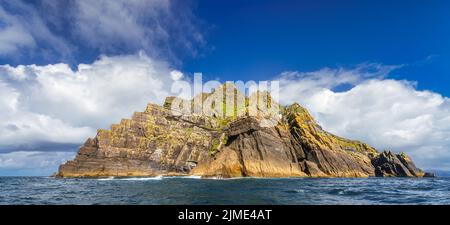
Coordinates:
[308,35]
[385,60]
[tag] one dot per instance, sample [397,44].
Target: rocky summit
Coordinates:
[240,144]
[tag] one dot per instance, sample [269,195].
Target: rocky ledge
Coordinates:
[156,142]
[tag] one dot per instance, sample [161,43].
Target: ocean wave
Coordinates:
[172,190]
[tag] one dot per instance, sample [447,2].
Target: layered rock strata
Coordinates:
[157,142]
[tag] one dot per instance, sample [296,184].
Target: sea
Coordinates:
[196,191]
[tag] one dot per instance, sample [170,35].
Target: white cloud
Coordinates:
[176,75]
[14,37]
[24,28]
[33,159]
[104,23]
[54,103]
[30,163]
[61,30]
[159,25]
[45,105]
[12,34]
[386,113]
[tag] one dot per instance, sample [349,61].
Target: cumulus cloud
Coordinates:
[54,103]
[56,106]
[386,113]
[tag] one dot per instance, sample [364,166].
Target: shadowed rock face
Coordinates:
[155,142]
[388,164]
[255,151]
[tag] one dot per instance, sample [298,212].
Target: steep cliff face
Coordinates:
[323,153]
[252,150]
[156,142]
[151,143]
[297,146]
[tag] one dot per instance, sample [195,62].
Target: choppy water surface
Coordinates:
[191,190]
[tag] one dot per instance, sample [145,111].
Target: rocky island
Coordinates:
[157,142]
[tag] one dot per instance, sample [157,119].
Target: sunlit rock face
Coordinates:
[246,140]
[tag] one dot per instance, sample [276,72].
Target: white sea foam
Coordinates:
[186,177]
[251,178]
[142,178]
[132,178]
[228,178]
[109,178]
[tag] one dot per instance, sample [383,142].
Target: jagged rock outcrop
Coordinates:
[157,142]
[252,150]
[151,143]
[388,164]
